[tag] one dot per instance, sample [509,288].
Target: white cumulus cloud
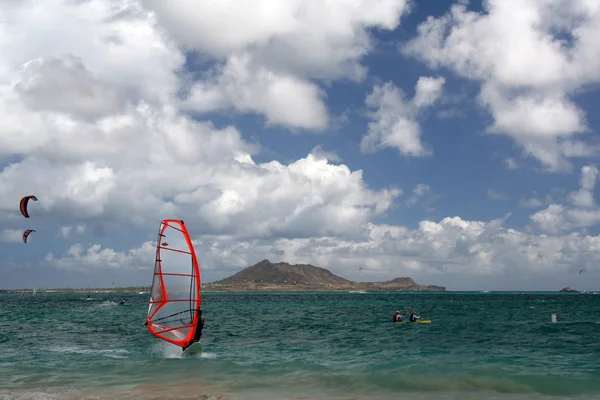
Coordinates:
[528,72]
[283,98]
[94,256]
[394,119]
[269,52]
[11,236]
[582,213]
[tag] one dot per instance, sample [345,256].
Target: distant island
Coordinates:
[569,290]
[266,276]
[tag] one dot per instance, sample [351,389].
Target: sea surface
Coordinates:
[305,346]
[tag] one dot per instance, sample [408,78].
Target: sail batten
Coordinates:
[179,251]
[174,274]
[170,300]
[176,297]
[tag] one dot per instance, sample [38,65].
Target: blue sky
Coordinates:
[456,144]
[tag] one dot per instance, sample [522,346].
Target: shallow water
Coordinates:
[306,345]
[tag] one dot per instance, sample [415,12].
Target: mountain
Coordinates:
[284,273]
[268,276]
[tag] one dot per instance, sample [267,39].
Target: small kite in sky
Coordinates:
[24,202]
[26,234]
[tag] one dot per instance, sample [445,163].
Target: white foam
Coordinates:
[209,356]
[30,396]
[171,351]
[167,350]
[112,353]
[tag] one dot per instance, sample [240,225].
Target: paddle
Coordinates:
[422,312]
[410,311]
[427,310]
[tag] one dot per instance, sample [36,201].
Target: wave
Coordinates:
[112,353]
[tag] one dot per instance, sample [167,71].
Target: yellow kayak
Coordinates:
[421,321]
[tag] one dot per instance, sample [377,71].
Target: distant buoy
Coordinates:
[553,318]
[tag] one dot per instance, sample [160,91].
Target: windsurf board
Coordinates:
[195,348]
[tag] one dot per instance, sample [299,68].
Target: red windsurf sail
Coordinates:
[172,311]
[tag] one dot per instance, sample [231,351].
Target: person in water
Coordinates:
[197,331]
[398,317]
[122,301]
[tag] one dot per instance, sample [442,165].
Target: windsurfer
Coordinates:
[197,331]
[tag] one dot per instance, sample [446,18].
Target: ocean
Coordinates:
[305,346]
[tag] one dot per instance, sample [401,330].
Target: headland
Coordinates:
[266,276]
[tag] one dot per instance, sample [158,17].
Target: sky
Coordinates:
[452,142]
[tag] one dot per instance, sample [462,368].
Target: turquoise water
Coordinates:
[306,346]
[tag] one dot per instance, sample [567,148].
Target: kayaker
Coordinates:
[414,317]
[398,317]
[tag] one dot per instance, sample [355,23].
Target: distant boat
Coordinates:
[357,291]
[34,291]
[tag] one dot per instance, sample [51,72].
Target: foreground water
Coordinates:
[306,346]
